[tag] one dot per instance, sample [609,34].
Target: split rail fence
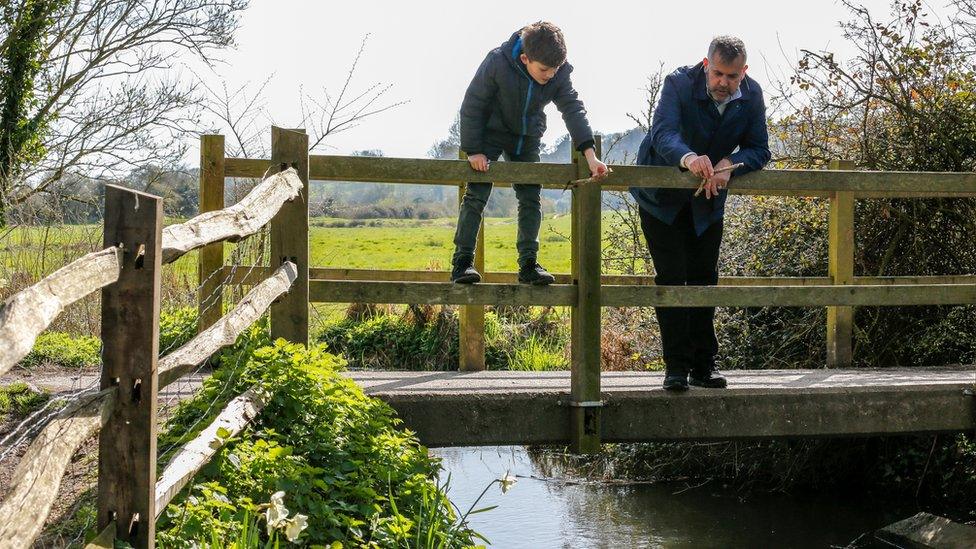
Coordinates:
[124,408]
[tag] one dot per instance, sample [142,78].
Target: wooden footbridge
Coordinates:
[585,406]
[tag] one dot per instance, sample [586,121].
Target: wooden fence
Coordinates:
[585,289]
[123,409]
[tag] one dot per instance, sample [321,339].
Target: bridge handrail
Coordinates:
[425,171]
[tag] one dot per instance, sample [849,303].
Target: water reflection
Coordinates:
[541,514]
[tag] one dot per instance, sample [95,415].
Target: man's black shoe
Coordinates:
[465,273]
[709,378]
[535,274]
[676,382]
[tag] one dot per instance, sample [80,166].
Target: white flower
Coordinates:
[294,526]
[276,513]
[507,482]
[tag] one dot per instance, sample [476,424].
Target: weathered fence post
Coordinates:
[289,237]
[471,318]
[840,320]
[211,258]
[585,315]
[130,346]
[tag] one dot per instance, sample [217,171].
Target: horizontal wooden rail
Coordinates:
[246,275]
[787,296]
[225,331]
[250,275]
[800,182]
[29,312]
[38,475]
[196,453]
[439,293]
[445,293]
[866,184]
[235,222]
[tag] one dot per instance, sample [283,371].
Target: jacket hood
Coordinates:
[512,48]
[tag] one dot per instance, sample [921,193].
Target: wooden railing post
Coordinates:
[471,319]
[585,315]
[211,258]
[130,346]
[840,320]
[289,237]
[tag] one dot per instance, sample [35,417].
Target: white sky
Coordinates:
[429,51]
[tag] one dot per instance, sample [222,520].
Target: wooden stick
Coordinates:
[198,452]
[236,222]
[577,182]
[29,312]
[701,186]
[225,331]
[37,477]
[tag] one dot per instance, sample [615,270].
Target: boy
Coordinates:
[502,113]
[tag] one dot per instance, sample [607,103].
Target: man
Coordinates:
[710,116]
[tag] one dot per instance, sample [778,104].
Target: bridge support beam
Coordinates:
[585,398]
[840,320]
[471,318]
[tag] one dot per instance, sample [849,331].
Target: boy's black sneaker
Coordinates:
[675,382]
[465,273]
[709,378]
[535,274]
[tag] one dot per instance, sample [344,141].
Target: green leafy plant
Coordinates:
[64,350]
[176,327]
[535,356]
[339,457]
[19,399]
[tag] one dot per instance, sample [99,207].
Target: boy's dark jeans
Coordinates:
[473,206]
[683,258]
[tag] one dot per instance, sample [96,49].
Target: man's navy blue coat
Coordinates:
[687,120]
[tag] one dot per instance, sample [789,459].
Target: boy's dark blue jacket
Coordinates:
[503,105]
[686,120]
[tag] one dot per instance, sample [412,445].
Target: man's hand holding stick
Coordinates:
[713,178]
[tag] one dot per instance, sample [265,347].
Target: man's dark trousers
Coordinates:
[473,206]
[681,258]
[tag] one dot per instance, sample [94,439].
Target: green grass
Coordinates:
[428,244]
[404,244]
[64,350]
[19,399]
[535,355]
[39,251]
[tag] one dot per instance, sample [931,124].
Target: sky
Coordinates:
[429,50]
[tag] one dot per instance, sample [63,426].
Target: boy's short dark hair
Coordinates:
[543,42]
[728,49]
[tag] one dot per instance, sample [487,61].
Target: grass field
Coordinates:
[428,244]
[408,244]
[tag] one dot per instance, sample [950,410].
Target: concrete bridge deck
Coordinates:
[506,407]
